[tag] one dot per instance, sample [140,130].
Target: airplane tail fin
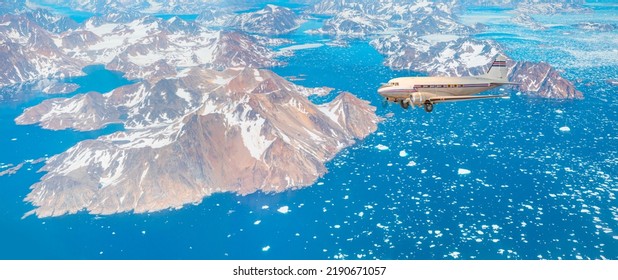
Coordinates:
[498,69]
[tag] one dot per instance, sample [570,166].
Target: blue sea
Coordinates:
[492,179]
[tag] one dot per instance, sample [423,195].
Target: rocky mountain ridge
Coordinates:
[28,53]
[201,132]
[121,42]
[271,20]
[358,19]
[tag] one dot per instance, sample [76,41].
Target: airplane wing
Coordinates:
[502,83]
[438,99]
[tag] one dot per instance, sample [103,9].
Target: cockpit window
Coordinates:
[393,84]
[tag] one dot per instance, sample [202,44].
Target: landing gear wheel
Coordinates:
[428,106]
[404,104]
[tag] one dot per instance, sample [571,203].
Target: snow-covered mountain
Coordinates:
[270,20]
[362,19]
[189,136]
[436,23]
[542,80]
[115,17]
[121,42]
[437,54]
[553,7]
[527,21]
[390,9]
[137,45]
[49,21]
[147,40]
[145,6]
[332,7]
[28,53]
[215,17]
[514,3]
[352,23]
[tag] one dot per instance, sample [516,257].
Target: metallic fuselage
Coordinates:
[435,86]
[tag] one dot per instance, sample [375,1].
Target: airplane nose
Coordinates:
[382,88]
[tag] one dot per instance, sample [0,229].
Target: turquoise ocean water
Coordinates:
[532,191]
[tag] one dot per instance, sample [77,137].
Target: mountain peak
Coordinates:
[272,7]
[269,20]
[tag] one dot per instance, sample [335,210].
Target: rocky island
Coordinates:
[189,136]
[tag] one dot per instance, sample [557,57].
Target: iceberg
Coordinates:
[462,171]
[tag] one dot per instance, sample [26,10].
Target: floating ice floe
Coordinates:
[381,147]
[411,163]
[462,171]
[265,249]
[283,209]
[265,207]
[257,222]
[403,153]
[565,129]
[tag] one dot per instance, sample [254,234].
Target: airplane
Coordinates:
[427,91]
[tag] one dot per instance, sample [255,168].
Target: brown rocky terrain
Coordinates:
[189,136]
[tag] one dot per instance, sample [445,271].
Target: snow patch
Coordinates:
[182,93]
[251,131]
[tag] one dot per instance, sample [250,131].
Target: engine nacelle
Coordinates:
[418,98]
